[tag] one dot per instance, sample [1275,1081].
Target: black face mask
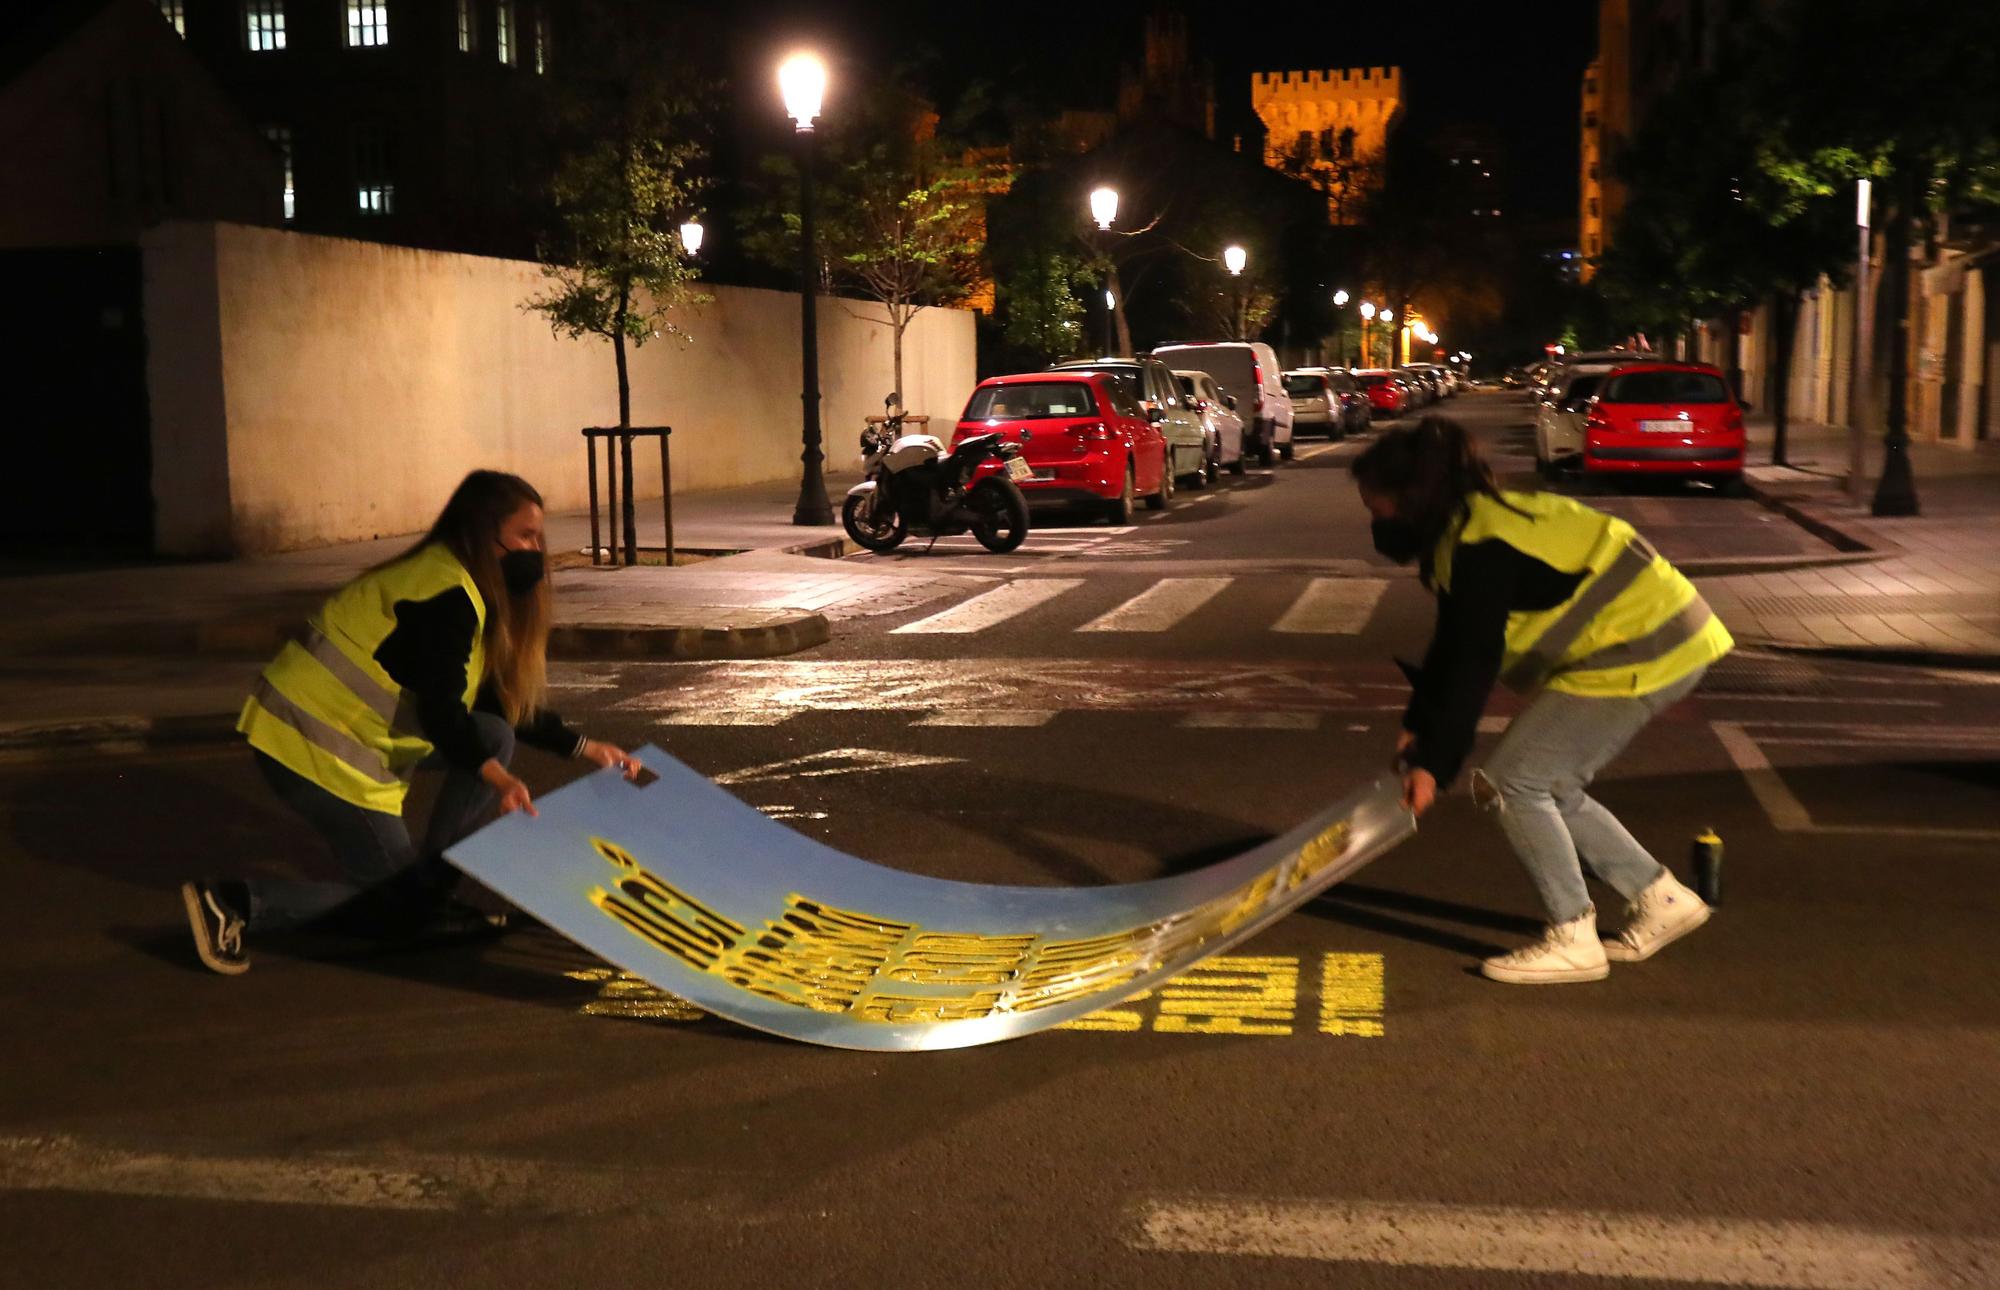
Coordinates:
[1397,538]
[521,570]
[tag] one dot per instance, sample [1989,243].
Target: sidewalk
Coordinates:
[1930,594]
[158,652]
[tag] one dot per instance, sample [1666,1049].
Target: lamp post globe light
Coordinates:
[1234,258]
[1104,209]
[691,235]
[1340,299]
[802,84]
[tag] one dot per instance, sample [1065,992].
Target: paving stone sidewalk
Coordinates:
[1930,594]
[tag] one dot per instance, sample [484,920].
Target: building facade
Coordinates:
[416,122]
[1591,174]
[1330,128]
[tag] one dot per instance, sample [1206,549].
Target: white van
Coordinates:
[1248,369]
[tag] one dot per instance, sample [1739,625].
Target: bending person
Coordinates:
[1571,605]
[438,657]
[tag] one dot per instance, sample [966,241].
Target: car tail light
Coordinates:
[1095,433]
[1596,421]
[1732,421]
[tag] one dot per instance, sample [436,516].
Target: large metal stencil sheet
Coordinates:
[680,883]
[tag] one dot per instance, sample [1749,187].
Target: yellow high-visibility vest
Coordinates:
[1634,624]
[325,709]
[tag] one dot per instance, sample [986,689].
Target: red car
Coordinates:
[1084,436]
[1387,395]
[1664,419]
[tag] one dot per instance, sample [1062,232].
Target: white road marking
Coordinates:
[723,717]
[1000,717]
[1333,606]
[1250,721]
[409,1183]
[1160,606]
[1789,815]
[834,761]
[990,607]
[1734,1252]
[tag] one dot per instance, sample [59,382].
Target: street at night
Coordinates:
[1806,1080]
[881,645]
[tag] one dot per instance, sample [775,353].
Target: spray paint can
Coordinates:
[1708,866]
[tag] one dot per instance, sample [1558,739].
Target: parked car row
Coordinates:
[1327,400]
[1110,432]
[1619,413]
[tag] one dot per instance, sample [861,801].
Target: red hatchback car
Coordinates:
[1387,395]
[1086,439]
[1664,419]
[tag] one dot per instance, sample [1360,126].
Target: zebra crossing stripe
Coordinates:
[995,606]
[1333,606]
[1160,606]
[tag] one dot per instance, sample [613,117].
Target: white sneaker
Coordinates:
[1662,914]
[1567,952]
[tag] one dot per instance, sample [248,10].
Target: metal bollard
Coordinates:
[1708,866]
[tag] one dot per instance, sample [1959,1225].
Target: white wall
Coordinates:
[359,382]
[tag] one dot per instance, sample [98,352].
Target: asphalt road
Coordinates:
[1801,1094]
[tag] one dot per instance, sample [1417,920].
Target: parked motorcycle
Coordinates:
[910,484]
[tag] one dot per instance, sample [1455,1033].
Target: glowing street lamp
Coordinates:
[1388,315]
[1104,206]
[1368,309]
[802,85]
[1234,258]
[1340,299]
[691,235]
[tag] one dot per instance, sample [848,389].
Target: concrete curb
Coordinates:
[785,634]
[1912,657]
[1816,524]
[1735,566]
[261,638]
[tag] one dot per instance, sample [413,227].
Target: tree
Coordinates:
[625,182]
[1927,125]
[902,209]
[1042,310]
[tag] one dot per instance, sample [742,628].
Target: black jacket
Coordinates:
[427,653]
[1490,579]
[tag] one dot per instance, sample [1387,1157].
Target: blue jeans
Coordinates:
[1536,779]
[385,877]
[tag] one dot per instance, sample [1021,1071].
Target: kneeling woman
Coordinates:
[1571,605]
[437,657]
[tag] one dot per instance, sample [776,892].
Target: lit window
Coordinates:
[263,25]
[504,34]
[374,190]
[541,41]
[468,29]
[175,12]
[281,139]
[367,23]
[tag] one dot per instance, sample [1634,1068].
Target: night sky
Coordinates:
[1516,68]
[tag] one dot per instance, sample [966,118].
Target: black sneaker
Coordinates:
[218,929]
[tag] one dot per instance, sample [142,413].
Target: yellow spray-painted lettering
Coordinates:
[1351,995]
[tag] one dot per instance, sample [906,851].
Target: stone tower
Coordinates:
[1330,128]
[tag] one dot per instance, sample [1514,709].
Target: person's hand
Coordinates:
[514,795]
[1420,789]
[609,755]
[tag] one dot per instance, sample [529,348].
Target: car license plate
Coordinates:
[1665,427]
[1018,469]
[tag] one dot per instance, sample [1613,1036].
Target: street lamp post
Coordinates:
[1367,316]
[1896,490]
[802,82]
[1104,209]
[1233,259]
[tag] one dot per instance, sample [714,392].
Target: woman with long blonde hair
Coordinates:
[436,657]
